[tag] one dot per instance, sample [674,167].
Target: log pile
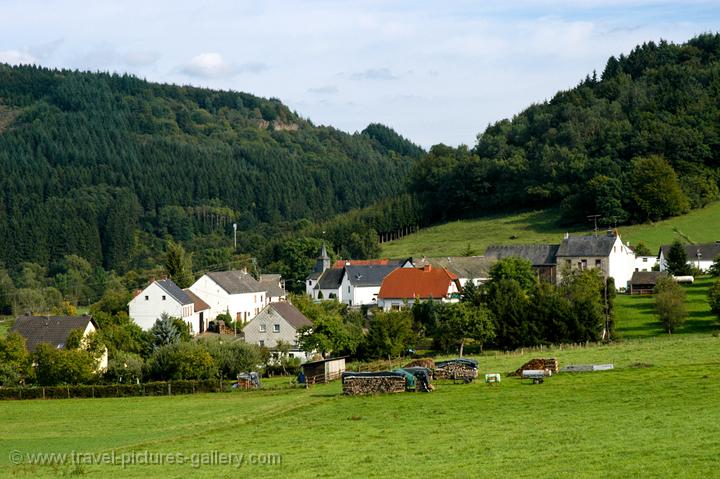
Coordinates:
[373,383]
[539,363]
[421,363]
[456,369]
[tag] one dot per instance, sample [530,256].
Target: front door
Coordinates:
[202,322]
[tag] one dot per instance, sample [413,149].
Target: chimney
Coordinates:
[567,235]
[427,267]
[164,276]
[151,279]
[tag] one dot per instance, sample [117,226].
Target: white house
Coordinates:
[401,288]
[475,269]
[645,263]
[164,296]
[274,287]
[360,285]
[55,330]
[277,322]
[233,292]
[700,256]
[604,252]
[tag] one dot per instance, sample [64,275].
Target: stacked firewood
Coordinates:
[539,364]
[457,369]
[373,383]
[421,363]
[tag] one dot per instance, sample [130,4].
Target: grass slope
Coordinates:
[455,238]
[655,415]
[637,319]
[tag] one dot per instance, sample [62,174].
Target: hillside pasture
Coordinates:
[460,237]
[655,415]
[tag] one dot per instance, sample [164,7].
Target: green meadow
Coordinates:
[656,414]
[474,236]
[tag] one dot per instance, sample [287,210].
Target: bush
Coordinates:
[670,304]
[714,297]
[124,368]
[232,356]
[187,360]
[60,366]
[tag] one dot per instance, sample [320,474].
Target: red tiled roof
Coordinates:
[200,305]
[408,283]
[341,263]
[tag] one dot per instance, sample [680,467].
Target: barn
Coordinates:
[324,370]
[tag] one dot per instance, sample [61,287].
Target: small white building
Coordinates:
[274,287]
[645,263]
[164,296]
[700,256]
[360,285]
[277,322]
[401,288]
[475,269]
[233,292]
[604,252]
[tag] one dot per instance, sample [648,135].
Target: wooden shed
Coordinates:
[323,371]
[643,282]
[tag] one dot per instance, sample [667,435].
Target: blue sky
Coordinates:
[434,71]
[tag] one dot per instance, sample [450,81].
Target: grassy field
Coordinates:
[655,415]
[457,237]
[5,324]
[636,314]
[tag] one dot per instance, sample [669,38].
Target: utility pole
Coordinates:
[594,218]
[235,236]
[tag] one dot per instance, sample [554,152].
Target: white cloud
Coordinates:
[208,65]
[17,57]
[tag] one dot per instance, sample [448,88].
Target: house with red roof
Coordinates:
[401,288]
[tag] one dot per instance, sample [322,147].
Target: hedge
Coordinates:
[161,388]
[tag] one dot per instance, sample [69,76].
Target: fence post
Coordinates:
[93,391]
[169,390]
[43,392]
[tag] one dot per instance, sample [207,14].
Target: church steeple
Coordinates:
[323,261]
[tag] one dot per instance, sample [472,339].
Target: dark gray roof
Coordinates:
[646,277]
[462,266]
[537,254]
[314,275]
[271,284]
[600,245]
[708,251]
[330,279]
[291,314]
[368,275]
[236,282]
[53,330]
[174,290]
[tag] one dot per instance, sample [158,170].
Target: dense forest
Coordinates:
[640,142]
[102,166]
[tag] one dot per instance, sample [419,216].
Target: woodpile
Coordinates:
[373,383]
[550,364]
[421,363]
[465,369]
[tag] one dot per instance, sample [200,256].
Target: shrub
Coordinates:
[670,304]
[60,366]
[124,368]
[187,360]
[232,356]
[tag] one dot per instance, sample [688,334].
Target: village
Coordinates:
[259,311]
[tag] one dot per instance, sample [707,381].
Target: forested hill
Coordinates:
[639,142]
[89,159]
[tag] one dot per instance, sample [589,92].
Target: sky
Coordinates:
[435,71]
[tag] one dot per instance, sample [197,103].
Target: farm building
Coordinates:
[466,268]
[404,286]
[324,370]
[643,282]
[700,256]
[541,256]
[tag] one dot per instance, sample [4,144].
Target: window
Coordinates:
[348,289]
[644,260]
[261,343]
[276,328]
[263,327]
[291,355]
[583,264]
[147,298]
[163,298]
[598,263]
[568,262]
